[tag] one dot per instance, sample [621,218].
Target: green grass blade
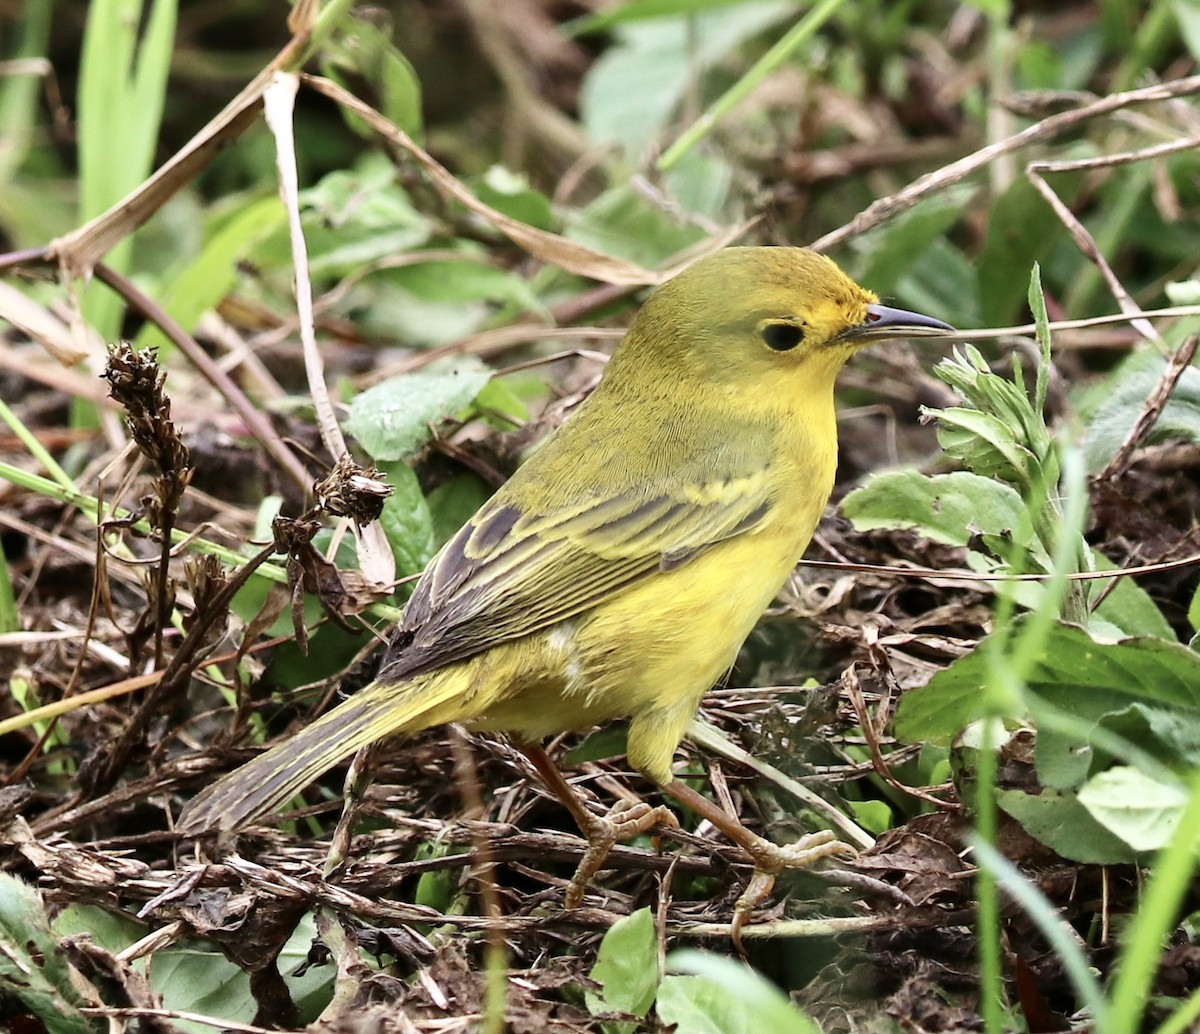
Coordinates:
[122,85]
[10,620]
[1156,917]
[738,92]
[19,92]
[1052,925]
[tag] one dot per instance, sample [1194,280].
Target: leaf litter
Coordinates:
[92,793]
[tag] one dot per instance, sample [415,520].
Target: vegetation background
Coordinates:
[483,192]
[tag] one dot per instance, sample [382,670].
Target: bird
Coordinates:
[617,573]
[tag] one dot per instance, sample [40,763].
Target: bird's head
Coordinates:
[758,316]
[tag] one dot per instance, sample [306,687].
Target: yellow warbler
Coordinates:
[619,570]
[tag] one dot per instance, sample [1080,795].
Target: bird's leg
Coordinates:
[769,859]
[625,820]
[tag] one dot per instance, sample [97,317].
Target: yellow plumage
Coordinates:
[619,570]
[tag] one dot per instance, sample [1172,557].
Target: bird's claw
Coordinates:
[625,820]
[770,859]
[805,852]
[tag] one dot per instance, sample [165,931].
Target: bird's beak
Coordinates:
[885,322]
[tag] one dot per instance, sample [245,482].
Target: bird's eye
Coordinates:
[782,337]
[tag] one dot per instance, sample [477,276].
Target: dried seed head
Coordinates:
[136,382]
[350,490]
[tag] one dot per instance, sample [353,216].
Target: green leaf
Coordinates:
[700,182]
[312,989]
[1057,819]
[113,932]
[354,217]
[509,192]
[608,741]
[1187,14]
[431,302]
[436,888]
[947,508]
[1171,736]
[998,432]
[364,48]
[466,279]
[1142,811]
[997,9]
[1184,292]
[454,502]
[1074,672]
[1041,320]
[392,420]
[123,69]
[1021,230]
[1039,66]
[874,816]
[725,997]
[626,967]
[986,445]
[889,251]
[640,10]
[1126,398]
[406,521]
[622,222]
[941,279]
[32,967]
[1066,756]
[631,91]
[498,400]
[1129,607]
[191,977]
[198,287]
[20,95]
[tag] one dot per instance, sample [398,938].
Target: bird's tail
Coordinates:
[269,781]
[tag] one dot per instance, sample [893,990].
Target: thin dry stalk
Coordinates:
[1152,410]
[1079,233]
[888,207]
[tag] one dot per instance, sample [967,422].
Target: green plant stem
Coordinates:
[1001,696]
[1066,535]
[1013,657]
[987,897]
[90,505]
[1000,121]
[763,67]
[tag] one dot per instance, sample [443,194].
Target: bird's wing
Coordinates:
[509,572]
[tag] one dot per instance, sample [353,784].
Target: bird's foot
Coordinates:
[771,859]
[625,820]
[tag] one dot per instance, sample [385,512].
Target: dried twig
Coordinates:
[1079,233]
[1152,410]
[888,207]
[376,559]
